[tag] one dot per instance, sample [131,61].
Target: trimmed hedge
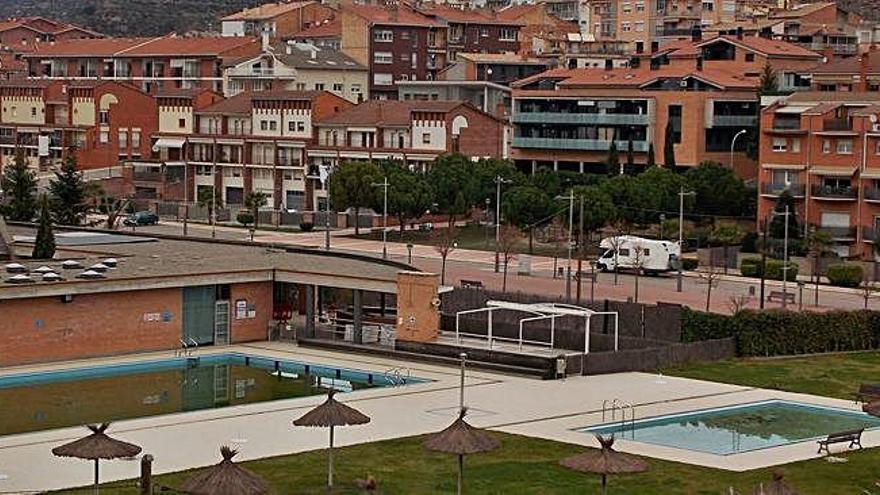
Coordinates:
[777,332]
[306,226]
[751,267]
[844,275]
[689,264]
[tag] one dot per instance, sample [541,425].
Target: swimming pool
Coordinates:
[55,399]
[740,428]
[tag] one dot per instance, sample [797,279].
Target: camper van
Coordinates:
[649,255]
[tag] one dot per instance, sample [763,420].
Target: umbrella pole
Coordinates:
[330,461]
[604,484]
[96,476]
[460,472]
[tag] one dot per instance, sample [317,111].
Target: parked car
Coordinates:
[647,255]
[141,218]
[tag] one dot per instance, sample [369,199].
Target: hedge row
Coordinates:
[751,267]
[777,332]
[843,275]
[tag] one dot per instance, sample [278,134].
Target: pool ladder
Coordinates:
[187,347]
[615,405]
[397,376]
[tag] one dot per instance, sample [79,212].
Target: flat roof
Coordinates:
[172,261]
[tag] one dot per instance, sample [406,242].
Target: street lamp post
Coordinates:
[732,143]
[324,172]
[409,248]
[681,195]
[785,260]
[498,181]
[570,199]
[384,186]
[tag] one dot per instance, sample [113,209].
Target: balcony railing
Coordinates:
[869,234]
[579,118]
[786,124]
[835,192]
[775,189]
[872,193]
[838,125]
[734,120]
[575,144]
[838,232]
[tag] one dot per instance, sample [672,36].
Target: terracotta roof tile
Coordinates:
[466,16]
[141,47]
[100,47]
[636,78]
[387,113]
[851,65]
[239,104]
[799,10]
[327,29]
[770,47]
[403,15]
[266,11]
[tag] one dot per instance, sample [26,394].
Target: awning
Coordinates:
[793,109]
[782,166]
[833,171]
[168,143]
[870,174]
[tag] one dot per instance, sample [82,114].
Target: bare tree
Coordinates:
[617,231]
[710,278]
[739,302]
[507,240]
[868,291]
[444,241]
[638,261]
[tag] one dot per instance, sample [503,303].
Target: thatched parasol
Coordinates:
[460,438]
[775,487]
[97,446]
[872,408]
[331,414]
[605,461]
[226,478]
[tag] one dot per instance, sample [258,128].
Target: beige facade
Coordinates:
[23,110]
[174,119]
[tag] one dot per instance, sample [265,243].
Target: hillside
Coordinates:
[130,17]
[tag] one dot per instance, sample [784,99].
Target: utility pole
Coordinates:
[785,260]
[581,246]
[324,172]
[185,196]
[384,186]
[498,181]
[570,199]
[681,195]
[763,260]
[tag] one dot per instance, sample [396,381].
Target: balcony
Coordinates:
[575,144]
[869,234]
[835,48]
[839,233]
[787,124]
[837,125]
[872,194]
[734,120]
[673,31]
[256,72]
[775,189]
[839,193]
[579,118]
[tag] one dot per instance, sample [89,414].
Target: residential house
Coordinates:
[326,34]
[279,20]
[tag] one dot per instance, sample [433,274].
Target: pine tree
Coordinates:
[650,161]
[768,82]
[44,246]
[630,157]
[20,185]
[669,148]
[613,162]
[68,191]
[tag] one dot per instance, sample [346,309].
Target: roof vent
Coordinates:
[90,275]
[20,279]
[111,262]
[52,277]
[99,267]
[71,265]
[16,268]
[43,269]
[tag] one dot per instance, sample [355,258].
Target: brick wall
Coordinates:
[45,329]
[258,295]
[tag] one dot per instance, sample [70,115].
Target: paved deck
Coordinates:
[506,403]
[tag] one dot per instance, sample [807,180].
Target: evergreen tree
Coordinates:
[650,161]
[613,162]
[44,246]
[20,186]
[669,147]
[768,83]
[630,157]
[777,223]
[68,190]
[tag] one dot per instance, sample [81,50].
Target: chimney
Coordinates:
[739,32]
[696,34]
[264,38]
[699,62]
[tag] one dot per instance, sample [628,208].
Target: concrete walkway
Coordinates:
[512,404]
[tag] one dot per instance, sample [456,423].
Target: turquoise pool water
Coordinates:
[741,428]
[41,401]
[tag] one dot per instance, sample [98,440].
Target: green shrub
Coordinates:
[750,267]
[306,226]
[773,270]
[699,325]
[689,264]
[244,217]
[845,275]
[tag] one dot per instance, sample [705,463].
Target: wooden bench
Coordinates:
[854,437]
[778,295]
[471,284]
[868,392]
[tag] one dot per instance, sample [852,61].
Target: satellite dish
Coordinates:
[873,118]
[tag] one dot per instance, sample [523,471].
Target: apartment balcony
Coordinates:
[837,125]
[869,234]
[673,31]
[835,48]
[835,193]
[257,72]
[579,118]
[872,194]
[775,189]
[734,120]
[786,125]
[575,144]
[839,233]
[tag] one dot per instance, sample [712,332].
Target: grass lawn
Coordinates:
[832,375]
[526,466]
[470,237]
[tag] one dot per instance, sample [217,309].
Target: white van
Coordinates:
[649,255]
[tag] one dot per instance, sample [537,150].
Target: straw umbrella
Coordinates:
[605,461]
[97,446]
[460,438]
[226,478]
[331,414]
[872,408]
[775,487]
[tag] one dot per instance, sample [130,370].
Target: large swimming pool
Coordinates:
[41,401]
[741,428]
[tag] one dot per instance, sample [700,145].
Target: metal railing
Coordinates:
[786,124]
[819,191]
[838,232]
[575,144]
[872,193]
[772,188]
[837,125]
[734,120]
[580,118]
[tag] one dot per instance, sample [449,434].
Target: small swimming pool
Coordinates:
[741,428]
[41,401]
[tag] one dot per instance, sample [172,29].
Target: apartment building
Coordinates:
[538,23]
[566,119]
[825,150]
[152,64]
[249,142]
[859,73]
[475,31]
[300,67]
[279,20]
[327,34]
[102,122]
[499,68]
[23,34]
[414,132]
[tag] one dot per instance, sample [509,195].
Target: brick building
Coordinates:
[566,119]
[824,150]
[24,34]
[280,20]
